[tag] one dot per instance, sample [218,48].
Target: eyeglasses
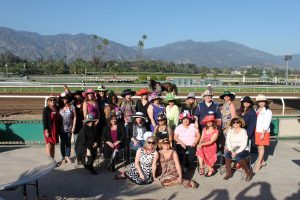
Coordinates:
[149,142]
[237,122]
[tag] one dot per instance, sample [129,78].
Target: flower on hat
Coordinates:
[154,96]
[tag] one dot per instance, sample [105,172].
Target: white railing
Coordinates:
[136,97]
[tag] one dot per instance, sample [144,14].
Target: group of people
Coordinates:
[165,134]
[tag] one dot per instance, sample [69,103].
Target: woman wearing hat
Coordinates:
[262,131]
[137,131]
[163,130]
[143,103]
[127,105]
[228,111]
[190,104]
[51,124]
[154,109]
[248,113]
[207,148]
[68,113]
[86,145]
[187,137]
[170,167]
[172,110]
[237,146]
[90,105]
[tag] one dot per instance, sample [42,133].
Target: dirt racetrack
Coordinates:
[31,109]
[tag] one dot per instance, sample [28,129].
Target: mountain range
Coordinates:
[223,53]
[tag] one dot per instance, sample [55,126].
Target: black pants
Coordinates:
[186,156]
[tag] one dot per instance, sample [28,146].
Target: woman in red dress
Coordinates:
[207,148]
[51,123]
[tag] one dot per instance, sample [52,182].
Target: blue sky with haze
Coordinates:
[267,25]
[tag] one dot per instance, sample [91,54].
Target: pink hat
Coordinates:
[88,91]
[186,115]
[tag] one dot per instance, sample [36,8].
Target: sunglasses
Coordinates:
[160,120]
[151,142]
[236,122]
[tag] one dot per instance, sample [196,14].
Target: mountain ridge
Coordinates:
[222,53]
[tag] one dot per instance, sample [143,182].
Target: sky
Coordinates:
[272,26]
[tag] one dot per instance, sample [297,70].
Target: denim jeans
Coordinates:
[186,156]
[75,136]
[140,144]
[240,156]
[65,144]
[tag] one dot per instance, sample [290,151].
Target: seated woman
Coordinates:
[113,138]
[142,170]
[162,130]
[171,173]
[187,137]
[86,144]
[207,148]
[236,142]
[137,130]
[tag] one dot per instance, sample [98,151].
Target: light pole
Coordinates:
[287,58]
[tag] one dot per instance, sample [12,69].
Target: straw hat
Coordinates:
[261,97]
[241,120]
[227,93]
[206,93]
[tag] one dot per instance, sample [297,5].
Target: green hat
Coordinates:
[169,97]
[227,93]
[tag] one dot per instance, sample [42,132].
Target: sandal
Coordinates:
[190,184]
[201,171]
[210,173]
[119,177]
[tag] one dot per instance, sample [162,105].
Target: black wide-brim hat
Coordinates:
[247,99]
[126,92]
[227,93]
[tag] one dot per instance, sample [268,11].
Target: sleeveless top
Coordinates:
[157,110]
[226,116]
[162,134]
[93,109]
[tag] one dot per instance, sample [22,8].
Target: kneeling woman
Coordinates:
[171,173]
[113,138]
[236,142]
[86,144]
[142,170]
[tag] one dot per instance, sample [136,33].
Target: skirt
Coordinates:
[264,142]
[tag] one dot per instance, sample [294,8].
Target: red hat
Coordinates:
[209,118]
[142,92]
[186,115]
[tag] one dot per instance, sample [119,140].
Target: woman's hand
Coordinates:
[47,133]
[183,145]
[233,155]
[95,145]
[262,135]
[135,142]
[142,176]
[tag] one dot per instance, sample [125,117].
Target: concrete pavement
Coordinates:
[280,179]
